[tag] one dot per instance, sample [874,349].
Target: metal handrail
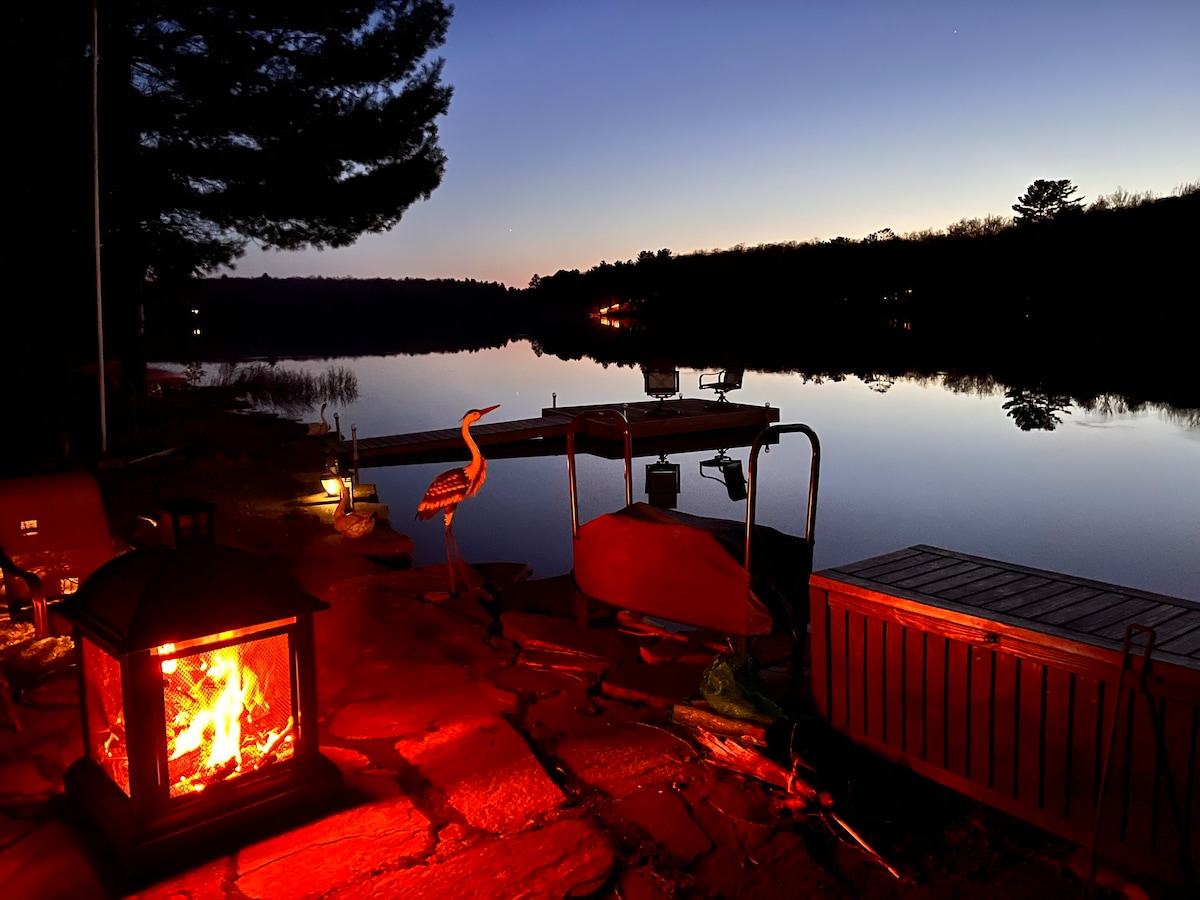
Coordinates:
[576,423]
[752,481]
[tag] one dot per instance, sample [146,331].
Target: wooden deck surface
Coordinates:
[1049,602]
[648,420]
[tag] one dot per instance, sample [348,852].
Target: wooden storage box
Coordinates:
[999,681]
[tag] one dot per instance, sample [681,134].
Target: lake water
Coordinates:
[1114,498]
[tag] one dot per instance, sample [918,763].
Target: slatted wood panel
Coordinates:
[1001,681]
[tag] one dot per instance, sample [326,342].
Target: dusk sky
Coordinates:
[589,130]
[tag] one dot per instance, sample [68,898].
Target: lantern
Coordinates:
[198,697]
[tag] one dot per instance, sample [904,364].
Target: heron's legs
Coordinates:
[449,558]
[462,563]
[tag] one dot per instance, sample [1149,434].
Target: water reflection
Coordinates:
[728,472]
[1032,409]
[1112,493]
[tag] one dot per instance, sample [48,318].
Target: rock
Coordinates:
[335,851]
[416,712]
[542,632]
[567,859]
[622,758]
[487,773]
[49,864]
[663,816]
[661,686]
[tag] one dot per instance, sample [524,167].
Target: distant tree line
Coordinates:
[1080,301]
[1053,263]
[232,318]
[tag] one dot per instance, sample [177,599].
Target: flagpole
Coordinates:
[96,219]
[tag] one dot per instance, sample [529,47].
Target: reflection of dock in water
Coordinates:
[655,427]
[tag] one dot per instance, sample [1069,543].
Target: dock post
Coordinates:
[354,450]
[554,400]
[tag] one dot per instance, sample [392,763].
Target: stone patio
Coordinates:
[492,749]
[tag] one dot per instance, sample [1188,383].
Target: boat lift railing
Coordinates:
[580,421]
[810,519]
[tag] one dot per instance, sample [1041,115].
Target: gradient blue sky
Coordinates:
[588,130]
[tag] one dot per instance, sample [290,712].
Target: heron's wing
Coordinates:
[474,487]
[448,489]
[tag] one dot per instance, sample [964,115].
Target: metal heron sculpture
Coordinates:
[453,487]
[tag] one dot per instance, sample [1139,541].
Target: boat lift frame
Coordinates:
[768,434]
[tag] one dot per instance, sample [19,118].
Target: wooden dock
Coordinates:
[655,427]
[1003,682]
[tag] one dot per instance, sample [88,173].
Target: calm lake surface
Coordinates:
[1114,498]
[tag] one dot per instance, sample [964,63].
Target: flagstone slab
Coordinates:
[535,681]
[416,713]
[487,772]
[362,778]
[674,651]
[384,622]
[577,663]
[570,858]
[568,712]
[623,758]
[399,676]
[49,864]
[22,780]
[338,850]
[543,632]
[556,596]
[501,577]
[204,882]
[662,685]
[664,816]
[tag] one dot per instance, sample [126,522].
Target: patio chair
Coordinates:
[721,382]
[54,532]
[662,381]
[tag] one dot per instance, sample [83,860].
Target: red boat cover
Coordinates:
[671,565]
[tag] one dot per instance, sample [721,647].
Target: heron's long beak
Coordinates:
[484,412]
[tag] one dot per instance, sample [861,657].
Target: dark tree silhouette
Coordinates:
[287,124]
[1044,200]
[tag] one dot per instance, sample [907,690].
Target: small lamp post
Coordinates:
[333,481]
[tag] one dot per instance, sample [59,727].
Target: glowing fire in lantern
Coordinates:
[228,712]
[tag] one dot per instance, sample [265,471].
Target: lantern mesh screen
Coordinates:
[106,713]
[228,712]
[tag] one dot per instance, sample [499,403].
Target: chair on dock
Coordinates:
[740,580]
[54,532]
[721,382]
[661,382]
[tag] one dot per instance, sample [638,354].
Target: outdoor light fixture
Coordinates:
[198,698]
[729,474]
[333,482]
[662,483]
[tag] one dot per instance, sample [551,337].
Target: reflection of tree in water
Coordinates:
[880,384]
[1184,418]
[1036,410]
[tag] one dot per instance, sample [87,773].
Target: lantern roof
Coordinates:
[159,595]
